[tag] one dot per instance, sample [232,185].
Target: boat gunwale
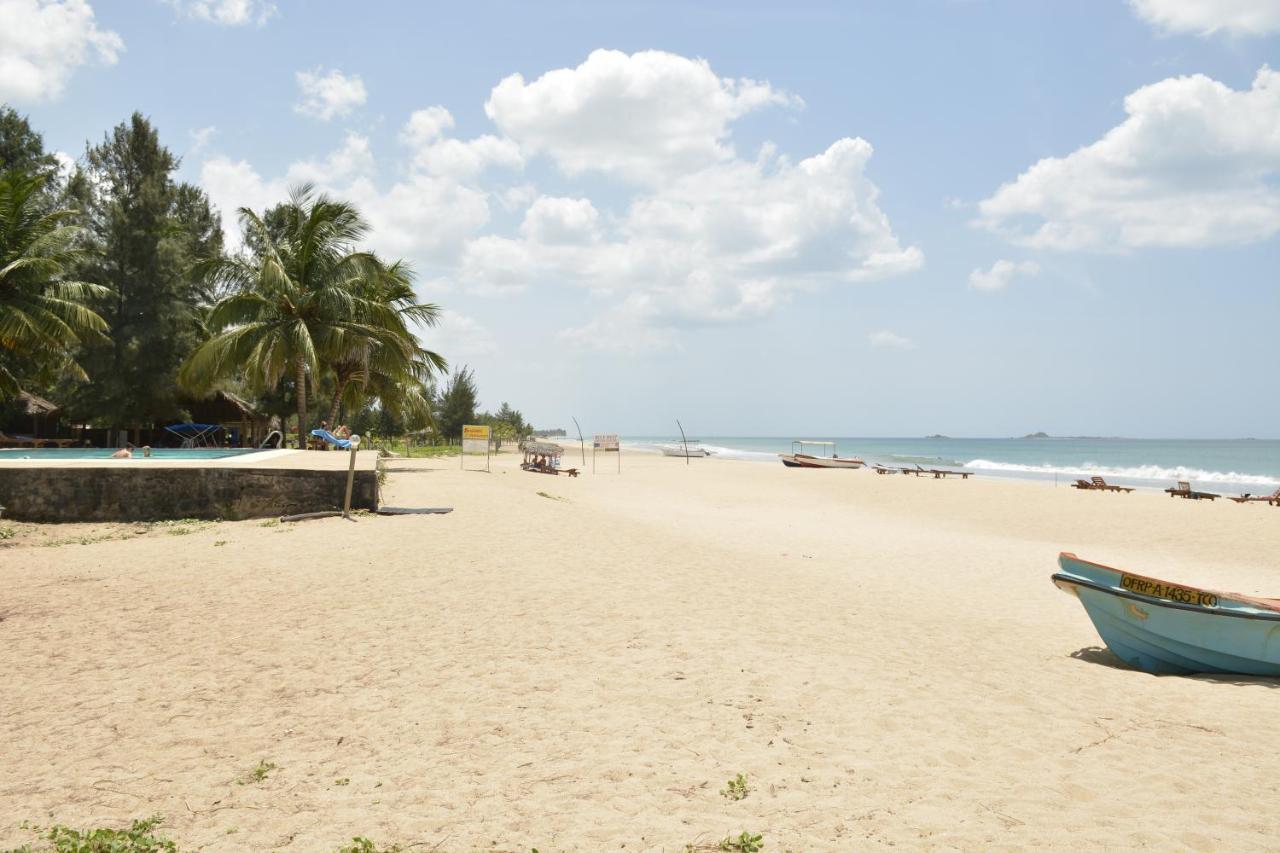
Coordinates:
[1269,604]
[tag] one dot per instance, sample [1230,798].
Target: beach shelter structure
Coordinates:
[239,420]
[36,416]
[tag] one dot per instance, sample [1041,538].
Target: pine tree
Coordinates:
[147,232]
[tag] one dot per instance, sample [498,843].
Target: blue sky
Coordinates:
[974,218]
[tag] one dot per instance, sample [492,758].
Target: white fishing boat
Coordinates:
[684,449]
[800,458]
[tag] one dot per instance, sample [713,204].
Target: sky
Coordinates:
[849,218]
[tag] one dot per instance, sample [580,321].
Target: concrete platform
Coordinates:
[257,485]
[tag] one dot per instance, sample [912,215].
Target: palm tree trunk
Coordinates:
[300,380]
[337,400]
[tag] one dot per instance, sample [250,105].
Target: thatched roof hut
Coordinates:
[34,406]
[233,413]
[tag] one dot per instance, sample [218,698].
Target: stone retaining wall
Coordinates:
[77,493]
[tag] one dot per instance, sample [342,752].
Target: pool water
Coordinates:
[11,453]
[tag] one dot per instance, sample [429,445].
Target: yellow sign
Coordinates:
[1169,592]
[480,433]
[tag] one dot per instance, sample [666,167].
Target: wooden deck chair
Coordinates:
[1260,498]
[1099,483]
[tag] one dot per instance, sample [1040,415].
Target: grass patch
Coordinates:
[426,452]
[343,781]
[743,843]
[736,788]
[7,533]
[259,773]
[270,522]
[140,837]
[83,540]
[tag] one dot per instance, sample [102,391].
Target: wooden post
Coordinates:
[351,476]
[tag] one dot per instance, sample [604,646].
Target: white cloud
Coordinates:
[720,239]
[422,217]
[328,96]
[228,13]
[42,42]
[200,139]
[730,242]
[435,154]
[458,337]
[1001,273]
[885,339]
[646,116]
[1207,17]
[1194,164]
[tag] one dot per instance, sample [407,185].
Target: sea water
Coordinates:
[1243,465]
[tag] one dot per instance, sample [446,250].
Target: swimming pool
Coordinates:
[12,453]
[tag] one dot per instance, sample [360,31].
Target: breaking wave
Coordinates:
[1137,472]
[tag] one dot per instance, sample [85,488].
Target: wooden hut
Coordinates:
[243,424]
[39,417]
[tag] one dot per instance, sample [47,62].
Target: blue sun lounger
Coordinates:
[340,443]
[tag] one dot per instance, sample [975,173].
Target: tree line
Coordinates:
[119,299]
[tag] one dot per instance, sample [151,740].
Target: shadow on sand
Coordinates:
[1105,657]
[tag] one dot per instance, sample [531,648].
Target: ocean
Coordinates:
[1237,465]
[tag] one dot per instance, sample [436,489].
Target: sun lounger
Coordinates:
[326,436]
[1103,485]
[942,473]
[1184,490]
[1082,485]
[1273,498]
[16,440]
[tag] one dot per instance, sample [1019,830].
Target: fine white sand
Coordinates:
[884,657]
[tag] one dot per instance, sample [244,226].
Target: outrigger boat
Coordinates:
[797,458]
[683,449]
[1169,629]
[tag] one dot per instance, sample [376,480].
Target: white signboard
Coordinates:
[606,442]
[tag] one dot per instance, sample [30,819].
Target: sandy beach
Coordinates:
[581,664]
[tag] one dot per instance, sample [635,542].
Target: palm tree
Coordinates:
[392,366]
[296,301]
[44,317]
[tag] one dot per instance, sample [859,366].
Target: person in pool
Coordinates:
[125,452]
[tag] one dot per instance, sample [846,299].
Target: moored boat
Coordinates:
[684,449]
[797,458]
[1167,628]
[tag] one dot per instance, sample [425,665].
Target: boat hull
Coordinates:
[803,460]
[1169,629]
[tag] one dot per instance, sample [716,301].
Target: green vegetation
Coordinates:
[140,837]
[342,782]
[306,299]
[259,773]
[45,313]
[736,788]
[743,843]
[7,533]
[360,844]
[119,301]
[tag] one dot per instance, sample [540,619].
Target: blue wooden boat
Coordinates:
[1166,628]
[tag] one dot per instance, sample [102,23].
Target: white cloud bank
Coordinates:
[1196,163]
[885,339]
[329,96]
[228,13]
[643,117]
[43,42]
[1208,17]
[689,232]
[1001,273]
